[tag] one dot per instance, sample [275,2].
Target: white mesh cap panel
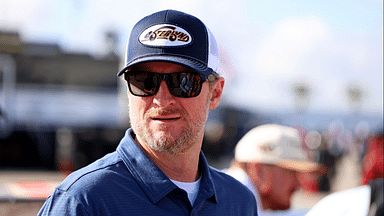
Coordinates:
[214,55]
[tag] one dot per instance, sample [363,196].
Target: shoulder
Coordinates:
[227,183]
[223,178]
[353,201]
[92,173]
[92,188]
[97,181]
[232,196]
[84,187]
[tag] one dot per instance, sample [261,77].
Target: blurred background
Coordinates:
[313,65]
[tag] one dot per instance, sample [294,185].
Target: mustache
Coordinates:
[166,111]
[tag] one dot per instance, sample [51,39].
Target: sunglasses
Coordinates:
[181,84]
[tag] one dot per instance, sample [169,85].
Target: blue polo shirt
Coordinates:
[127,182]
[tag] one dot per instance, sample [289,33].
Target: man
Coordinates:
[268,160]
[158,168]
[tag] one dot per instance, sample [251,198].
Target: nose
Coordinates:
[163,97]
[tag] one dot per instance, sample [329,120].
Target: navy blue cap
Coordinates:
[176,37]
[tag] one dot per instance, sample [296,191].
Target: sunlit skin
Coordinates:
[275,184]
[170,129]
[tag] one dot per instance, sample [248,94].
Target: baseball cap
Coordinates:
[176,37]
[274,144]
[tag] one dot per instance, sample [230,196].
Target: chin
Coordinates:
[281,206]
[285,207]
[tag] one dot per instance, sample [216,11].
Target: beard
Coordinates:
[169,143]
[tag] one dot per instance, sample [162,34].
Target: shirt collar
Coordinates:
[151,179]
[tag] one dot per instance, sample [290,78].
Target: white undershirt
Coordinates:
[192,188]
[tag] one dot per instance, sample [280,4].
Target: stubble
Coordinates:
[167,142]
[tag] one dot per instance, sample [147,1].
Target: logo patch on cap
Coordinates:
[165,35]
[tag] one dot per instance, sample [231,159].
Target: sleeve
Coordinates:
[62,203]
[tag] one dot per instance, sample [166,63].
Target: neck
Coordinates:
[183,167]
[264,202]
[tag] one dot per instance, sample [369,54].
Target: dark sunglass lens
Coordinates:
[143,84]
[185,84]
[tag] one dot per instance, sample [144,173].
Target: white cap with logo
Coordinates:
[274,144]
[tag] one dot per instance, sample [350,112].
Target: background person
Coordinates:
[268,160]
[158,167]
[365,200]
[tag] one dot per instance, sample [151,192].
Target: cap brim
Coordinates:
[190,63]
[301,166]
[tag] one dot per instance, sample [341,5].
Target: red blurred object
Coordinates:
[373,160]
[308,182]
[66,166]
[34,189]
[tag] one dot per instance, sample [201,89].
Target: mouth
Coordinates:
[165,119]
[165,115]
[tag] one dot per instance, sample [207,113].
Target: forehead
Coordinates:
[160,67]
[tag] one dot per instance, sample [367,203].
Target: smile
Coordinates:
[165,118]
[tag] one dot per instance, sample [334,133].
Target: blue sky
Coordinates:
[341,14]
[267,46]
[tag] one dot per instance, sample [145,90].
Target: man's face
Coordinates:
[284,183]
[167,123]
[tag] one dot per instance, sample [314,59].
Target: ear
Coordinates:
[217,92]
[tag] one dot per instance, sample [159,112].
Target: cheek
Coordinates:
[197,107]
[137,106]
[283,182]
[289,185]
